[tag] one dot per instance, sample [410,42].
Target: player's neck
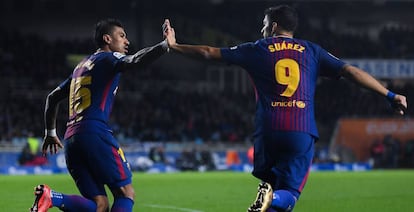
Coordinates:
[99,51]
[103,49]
[283,35]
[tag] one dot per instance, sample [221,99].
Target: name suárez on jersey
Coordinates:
[286,46]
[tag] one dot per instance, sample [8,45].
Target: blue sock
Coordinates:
[122,204]
[72,202]
[270,210]
[283,199]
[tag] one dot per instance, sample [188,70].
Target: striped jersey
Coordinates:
[284,72]
[93,86]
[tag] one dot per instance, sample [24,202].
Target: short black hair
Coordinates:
[285,16]
[105,27]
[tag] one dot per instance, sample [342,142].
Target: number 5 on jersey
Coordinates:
[80,96]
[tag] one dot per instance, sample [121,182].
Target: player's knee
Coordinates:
[102,203]
[262,175]
[125,191]
[257,174]
[129,192]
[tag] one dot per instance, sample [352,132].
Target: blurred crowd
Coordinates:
[30,66]
[372,38]
[390,153]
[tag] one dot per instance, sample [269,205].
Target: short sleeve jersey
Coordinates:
[284,72]
[93,87]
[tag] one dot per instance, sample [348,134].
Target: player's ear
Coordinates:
[107,38]
[274,27]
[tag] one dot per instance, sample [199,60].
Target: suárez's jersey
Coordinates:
[284,72]
[93,86]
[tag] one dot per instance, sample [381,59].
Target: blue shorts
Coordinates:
[283,159]
[95,160]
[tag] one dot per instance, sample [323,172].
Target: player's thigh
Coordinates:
[293,161]
[107,161]
[79,168]
[261,164]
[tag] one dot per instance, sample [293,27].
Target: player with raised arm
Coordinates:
[93,156]
[284,71]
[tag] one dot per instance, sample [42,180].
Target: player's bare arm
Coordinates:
[399,102]
[203,51]
[51,141]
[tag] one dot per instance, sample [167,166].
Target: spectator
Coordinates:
[377,153]
[187,161]
[30,154]
[157,155]
[206,160]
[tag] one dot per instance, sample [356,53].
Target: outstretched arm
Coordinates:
[145,56]
[201,51]
[398,102]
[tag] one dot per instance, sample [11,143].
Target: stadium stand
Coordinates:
[177,110]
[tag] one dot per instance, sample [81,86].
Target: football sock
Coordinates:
[283,199]
[72,202]
[122,204]
[57,198]
[271,210]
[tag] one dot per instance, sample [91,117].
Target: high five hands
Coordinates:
[169,33]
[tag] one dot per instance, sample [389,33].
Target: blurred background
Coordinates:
[187,114]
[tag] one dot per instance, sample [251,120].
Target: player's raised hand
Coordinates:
[52,143]
[399,104]
[169,32]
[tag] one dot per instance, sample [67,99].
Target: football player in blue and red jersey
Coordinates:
[284,71]
[93,156]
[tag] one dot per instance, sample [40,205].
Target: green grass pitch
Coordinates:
[233,192]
